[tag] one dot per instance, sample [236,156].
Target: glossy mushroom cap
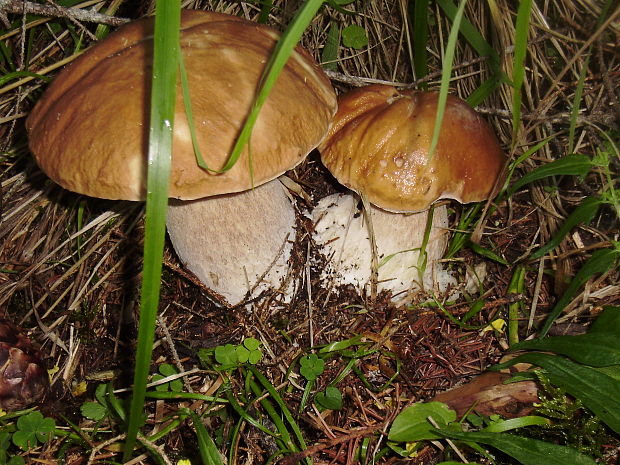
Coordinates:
[89,132]
[379,143]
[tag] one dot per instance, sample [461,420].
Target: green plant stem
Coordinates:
[446,71]
[163,91]
[277,60]
[516,286]
[518,70]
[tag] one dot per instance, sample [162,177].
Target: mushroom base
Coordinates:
[343,236]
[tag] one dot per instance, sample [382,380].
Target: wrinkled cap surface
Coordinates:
[89,132]
[379,143]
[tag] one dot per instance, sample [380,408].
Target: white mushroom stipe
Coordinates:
[230,241]
[342,236]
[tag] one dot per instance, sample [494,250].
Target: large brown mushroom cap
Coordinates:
[89,131]
[379,142]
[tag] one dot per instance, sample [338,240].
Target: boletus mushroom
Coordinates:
[89,133]
[378,146]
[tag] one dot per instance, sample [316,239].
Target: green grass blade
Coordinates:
[114,403]
[278,400]
[265,10]
[163,90]
[418,14]
[461,237]
[103,29]
[583,214]
[285,438]
[187,102]
[246,416]
[597,391]
[527,154]
[446,71]
[274,66]
[593,349]
[481,93]
[341,345]
[207,448]
[574,165]
[486,253]
[527,451]
[423,255]
[471,34]
[483,48]
[516,286]
[518,70]
[600,262]
[330,49]
[20,74]
[171,395]
[577,103]
[169,427]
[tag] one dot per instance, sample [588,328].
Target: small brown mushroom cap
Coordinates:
[89,132]
[379,143]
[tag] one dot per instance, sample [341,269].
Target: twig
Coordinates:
[78,14]
[449,441]
[309,289]
[96,449]
[374,261]
[297,457]
[173,351]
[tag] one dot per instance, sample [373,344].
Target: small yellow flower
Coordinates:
[79,388]
[496,325]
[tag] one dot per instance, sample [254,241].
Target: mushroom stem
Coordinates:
[236,244]
[346,240]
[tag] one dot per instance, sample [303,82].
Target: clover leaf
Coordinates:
[330,399]
[93,411]
[243,354]
[16,460]
[229,356]
[166,370]
[32,429]
[226,355]
[354,36]
[311,366]
[252,345]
